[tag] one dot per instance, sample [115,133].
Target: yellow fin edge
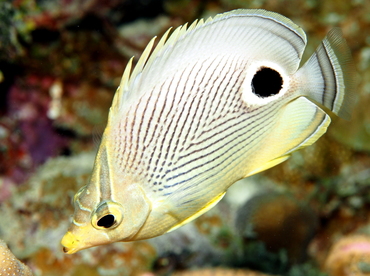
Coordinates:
[206,208]
[269,164]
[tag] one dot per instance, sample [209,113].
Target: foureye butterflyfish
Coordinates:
[210,104]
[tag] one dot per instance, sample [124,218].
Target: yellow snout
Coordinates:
[70,243]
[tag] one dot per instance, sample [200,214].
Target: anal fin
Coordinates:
[269,165]
[300,124]
[305,123]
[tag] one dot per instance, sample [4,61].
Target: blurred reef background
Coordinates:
[60,64]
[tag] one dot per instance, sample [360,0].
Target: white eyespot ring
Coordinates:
[253,100]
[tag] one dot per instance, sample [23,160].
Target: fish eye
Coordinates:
[108,215]
[107,221]
[266,82]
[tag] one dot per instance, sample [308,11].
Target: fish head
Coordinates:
[102,215]
[110,221]
[97,228]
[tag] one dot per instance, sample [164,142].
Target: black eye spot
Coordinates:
[106,221]
[266,82]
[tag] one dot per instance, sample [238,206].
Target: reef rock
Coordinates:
[10,265]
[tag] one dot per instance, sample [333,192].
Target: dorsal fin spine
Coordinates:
[143,58]
[118,97]
[159,46]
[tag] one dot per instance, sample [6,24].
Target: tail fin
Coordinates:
[329,75]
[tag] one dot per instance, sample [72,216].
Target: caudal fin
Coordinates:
[329,75]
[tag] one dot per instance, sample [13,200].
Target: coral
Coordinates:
[29,137]
[219,272]
[66,99]
[349,256]
[134,36]
[280,221]
[10,265]
[188,10]
[188,246]
[12,25]
[83,109]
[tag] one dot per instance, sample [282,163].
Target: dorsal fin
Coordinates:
[146,59]
[203,38]
[118,97]
[143,59]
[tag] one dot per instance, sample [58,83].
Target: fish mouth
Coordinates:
[70,250]
[70,243]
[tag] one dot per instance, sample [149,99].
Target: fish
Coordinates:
[210,104]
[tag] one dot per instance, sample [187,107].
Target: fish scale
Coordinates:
[192,118]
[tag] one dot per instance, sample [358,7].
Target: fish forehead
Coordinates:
[193,127]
